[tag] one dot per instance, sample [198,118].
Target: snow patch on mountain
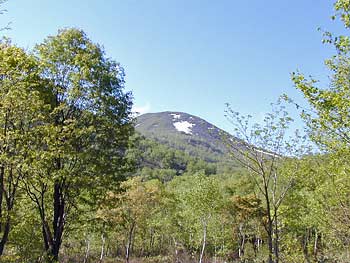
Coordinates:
[184,126]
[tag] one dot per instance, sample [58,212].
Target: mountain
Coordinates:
[185,132]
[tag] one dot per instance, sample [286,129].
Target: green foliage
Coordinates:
[65,123]
[325,190]
[342,8]
[90,116]
[68,190]
[159,161]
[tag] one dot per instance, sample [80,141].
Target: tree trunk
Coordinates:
[5,235]
[315,244]
[2,174]
[9,198]
[151,242]
[241,242]
[129,243]
[269,225]
[258,242]
[87,241]
[58,218]
[4,238]
[102,247]
[204,241]
[276,245]
[306,246]
[47,236]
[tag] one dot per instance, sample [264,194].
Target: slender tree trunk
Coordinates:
[47,236]
[269,240]
[87,251]
[241,242]
[129,243]
[2,174]
[305,246]
[4,238]
[258,242]
[222,236]
[161,243]
[102,247]
[151,242]
[276,239]
[204,241]
[2,171]
[315,244]
[269,225]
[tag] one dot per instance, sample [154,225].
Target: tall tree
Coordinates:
[328,123]
[21,108]
[85,138]
[261,149]
[199,202]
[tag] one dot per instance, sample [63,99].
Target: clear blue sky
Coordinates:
[192,55]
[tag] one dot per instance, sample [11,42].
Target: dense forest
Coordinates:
[78,183]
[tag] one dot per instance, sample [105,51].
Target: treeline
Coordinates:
[217,218]
[156,160]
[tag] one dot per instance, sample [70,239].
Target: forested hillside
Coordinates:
[85,179]
[185,137]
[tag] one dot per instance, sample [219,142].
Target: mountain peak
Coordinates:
[174,121]
[184,132]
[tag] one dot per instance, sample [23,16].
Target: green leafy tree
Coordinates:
[328,119]
[85,137]
[328,123]
[21,108]
[304,218]
[199,203]
[262,149]
[248,214]
[132,208]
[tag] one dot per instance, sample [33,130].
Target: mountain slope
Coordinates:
[185,132]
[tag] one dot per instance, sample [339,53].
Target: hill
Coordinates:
[185,132]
